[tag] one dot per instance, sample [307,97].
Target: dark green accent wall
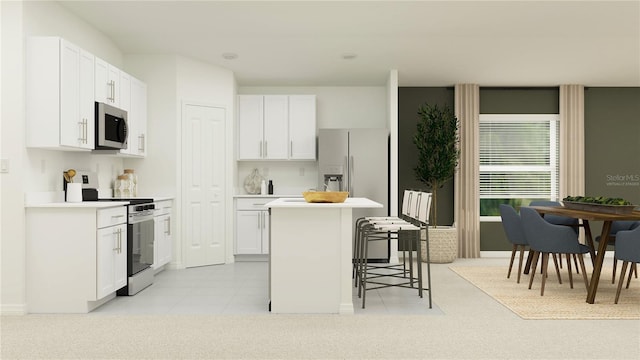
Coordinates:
[519,100]
[612,144]
[612,141]
[409,99]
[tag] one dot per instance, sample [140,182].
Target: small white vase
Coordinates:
[74,192]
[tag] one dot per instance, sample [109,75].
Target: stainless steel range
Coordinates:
[140,240]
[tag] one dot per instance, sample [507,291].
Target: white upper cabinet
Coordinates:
[302,127]
[59,86]
[108,80]
[136,102]
[276,127]
[250,127]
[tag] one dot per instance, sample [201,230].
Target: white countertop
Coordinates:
[84,204]
[301,203]
[272,196]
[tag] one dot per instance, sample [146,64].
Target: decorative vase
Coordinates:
[133,182]
[443,244]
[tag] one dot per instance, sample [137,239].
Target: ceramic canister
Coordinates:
[74,192]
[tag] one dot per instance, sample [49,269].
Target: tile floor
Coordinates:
[241,288]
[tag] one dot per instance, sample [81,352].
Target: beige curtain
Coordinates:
[467,187]
[571,140]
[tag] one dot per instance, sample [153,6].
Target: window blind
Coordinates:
[518,156]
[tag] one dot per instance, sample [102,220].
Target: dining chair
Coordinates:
[627,250]
[512,225]
[546,238]
[561,220]
[617,226]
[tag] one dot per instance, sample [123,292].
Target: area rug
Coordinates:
[559,300]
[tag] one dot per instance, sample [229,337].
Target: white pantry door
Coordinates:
[203,157]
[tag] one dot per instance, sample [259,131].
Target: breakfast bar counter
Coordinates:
[310,254]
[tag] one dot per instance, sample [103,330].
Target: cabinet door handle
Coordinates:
[168,226]
[265,148]
[81,132]
[291,149]
[116,234]
[85,126]
[112,95]
[119,241]
[264,220]
[261,148]
[141,143]
[86,130]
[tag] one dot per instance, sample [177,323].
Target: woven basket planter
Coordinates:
[443,245]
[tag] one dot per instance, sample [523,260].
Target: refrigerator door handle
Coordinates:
[351,177]
[346,174]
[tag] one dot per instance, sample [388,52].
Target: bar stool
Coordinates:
[409,208]
[371,230]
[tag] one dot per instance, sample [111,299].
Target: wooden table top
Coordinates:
[586,215]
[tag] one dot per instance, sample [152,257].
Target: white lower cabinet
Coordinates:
[252,226]
[76,256]
[111,259]
[162,248]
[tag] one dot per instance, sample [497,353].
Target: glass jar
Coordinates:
[121,184]
[133,178]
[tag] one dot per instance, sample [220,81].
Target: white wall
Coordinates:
[198,82]
[171,80]
[156,173]
[48,18]
[12,293]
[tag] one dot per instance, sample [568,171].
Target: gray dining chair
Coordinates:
[562,220]
[627,250]
[617,226]
[546,238]
[512,225]
[556,219]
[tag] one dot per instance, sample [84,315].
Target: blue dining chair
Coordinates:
[627,250]
[546,238]
[512,225]
[556,219]
[617,226]
[562,220]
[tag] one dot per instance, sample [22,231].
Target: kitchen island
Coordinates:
[310,255]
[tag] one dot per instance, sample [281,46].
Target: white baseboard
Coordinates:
[13,309]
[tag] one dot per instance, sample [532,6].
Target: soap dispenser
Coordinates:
[270,187]
[263,188]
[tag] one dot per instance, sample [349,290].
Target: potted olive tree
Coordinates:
[437,142]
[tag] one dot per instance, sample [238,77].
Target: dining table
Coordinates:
[586,216]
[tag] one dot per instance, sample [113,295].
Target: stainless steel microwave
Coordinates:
[111,127]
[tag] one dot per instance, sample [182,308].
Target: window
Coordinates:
[518,161]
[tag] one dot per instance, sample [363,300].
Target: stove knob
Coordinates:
[152,206]
[139,208]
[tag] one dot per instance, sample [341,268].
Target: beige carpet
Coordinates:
[559,300]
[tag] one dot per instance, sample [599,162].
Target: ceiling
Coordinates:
[430,43]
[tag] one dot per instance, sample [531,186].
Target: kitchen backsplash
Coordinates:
[289,177]
[46,167]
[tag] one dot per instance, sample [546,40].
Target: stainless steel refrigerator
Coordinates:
[357,160]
